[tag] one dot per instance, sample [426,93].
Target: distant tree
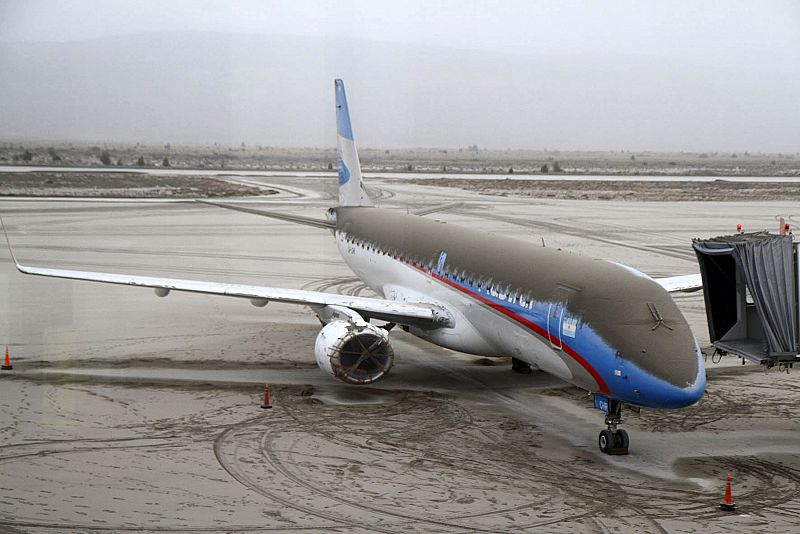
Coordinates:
[410,167]
[633,158]
[119,162]
[167,146]
[545,169]
[330,166]
[556,167]
[165,163]
[27,156]
[105,158]
[511,170]
[444,168]
[53,155]
[140,161]
[733,155]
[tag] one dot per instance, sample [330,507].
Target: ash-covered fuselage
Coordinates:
[602,326]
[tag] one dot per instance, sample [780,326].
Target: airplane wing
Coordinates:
[685,283]
[408,313]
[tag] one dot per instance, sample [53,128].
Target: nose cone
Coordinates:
[657,360]
[665,394]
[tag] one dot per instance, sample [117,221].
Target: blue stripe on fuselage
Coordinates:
[631,384]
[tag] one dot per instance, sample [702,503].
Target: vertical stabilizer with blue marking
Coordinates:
[351,189]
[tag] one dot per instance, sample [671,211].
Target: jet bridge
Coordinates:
[752,289]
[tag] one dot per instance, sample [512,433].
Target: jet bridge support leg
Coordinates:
[614,440]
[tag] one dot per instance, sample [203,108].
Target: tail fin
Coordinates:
[351,189]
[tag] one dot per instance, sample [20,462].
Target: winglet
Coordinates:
[8,242]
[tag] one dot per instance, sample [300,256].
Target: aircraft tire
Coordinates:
[606,441]
[623,438]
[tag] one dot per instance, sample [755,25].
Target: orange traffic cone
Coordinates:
[7,363]
[266,403]
[727,503]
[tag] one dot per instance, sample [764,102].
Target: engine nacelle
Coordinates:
[354,352]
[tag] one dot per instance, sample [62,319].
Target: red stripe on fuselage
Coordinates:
[601,384]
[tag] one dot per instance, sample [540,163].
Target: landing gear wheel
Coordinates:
[621,440]
[614,440]
[606,441]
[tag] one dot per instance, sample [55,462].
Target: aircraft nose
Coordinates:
[666,393]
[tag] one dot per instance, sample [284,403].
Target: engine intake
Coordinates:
[354,352]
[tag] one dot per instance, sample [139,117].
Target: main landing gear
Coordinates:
[613,440]
[519,366]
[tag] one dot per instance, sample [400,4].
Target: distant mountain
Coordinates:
[276,90]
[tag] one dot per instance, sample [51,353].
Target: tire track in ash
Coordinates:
[229,461]
[426,419]
[578,480]
[49,448]
[179,254]
[343,285]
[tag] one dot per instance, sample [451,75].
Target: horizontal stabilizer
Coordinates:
[308,221]
[685,283]
[437,208]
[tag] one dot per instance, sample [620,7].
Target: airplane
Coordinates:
[599,325]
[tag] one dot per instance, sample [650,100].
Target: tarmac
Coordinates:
[129,412]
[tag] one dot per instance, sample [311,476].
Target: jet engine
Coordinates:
[354,352]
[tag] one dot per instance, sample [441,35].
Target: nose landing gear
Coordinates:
[613,440]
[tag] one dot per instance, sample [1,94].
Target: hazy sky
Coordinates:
[729,68]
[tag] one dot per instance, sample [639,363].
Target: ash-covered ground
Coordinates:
[119,185]
[125,412]
[576,189]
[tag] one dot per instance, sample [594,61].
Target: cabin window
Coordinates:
[503,292]
[529,298]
